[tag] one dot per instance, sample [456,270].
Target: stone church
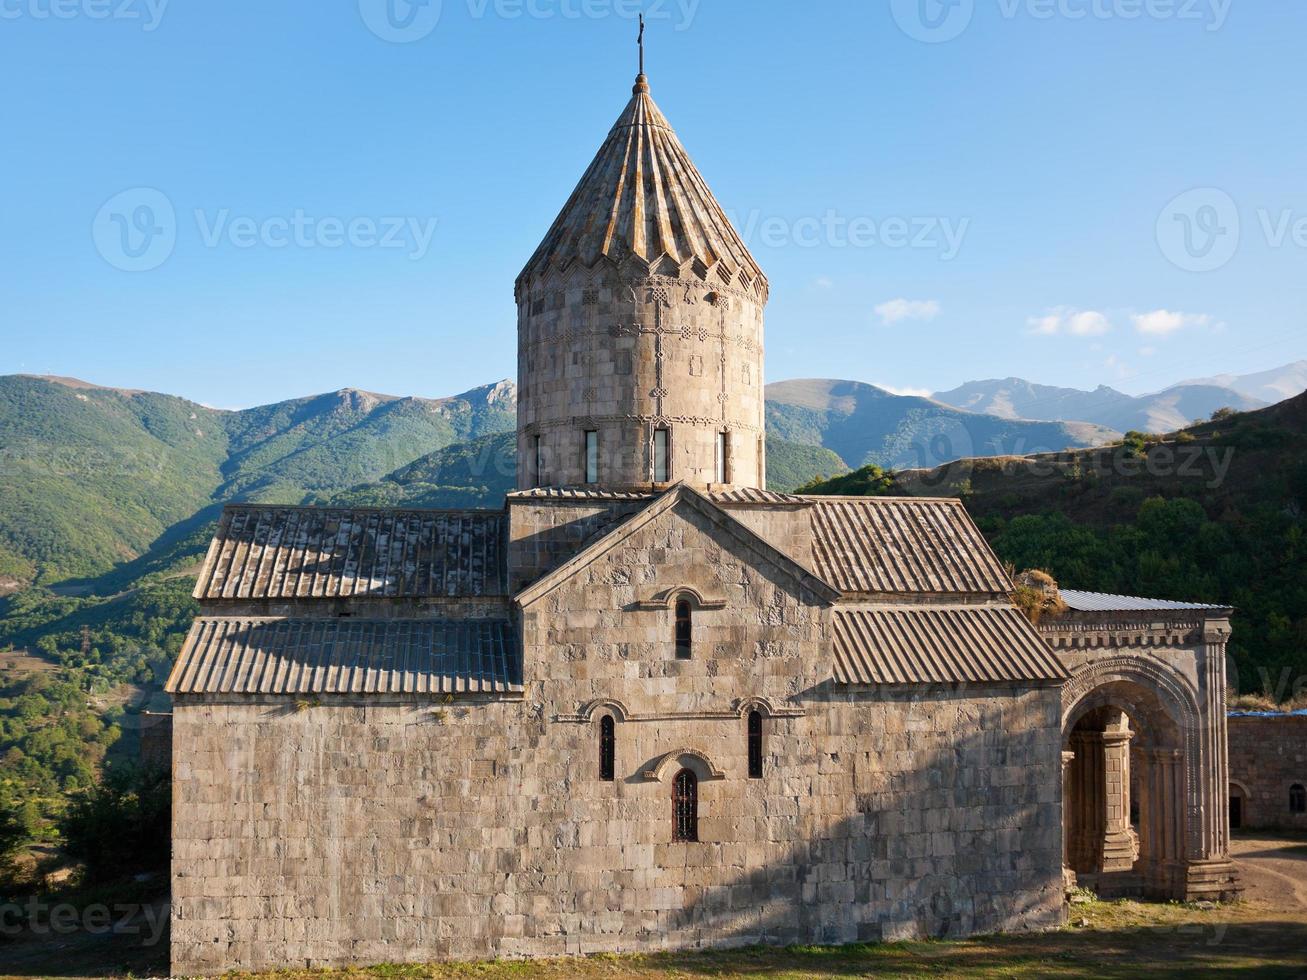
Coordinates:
[649,704]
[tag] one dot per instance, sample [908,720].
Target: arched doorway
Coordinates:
[1125,791]
[1238,805]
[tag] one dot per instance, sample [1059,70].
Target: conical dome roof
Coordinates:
[642,197]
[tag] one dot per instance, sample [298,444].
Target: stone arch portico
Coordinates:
[1145,773]
[1129,750]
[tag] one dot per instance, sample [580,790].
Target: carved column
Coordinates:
[1069,800]
[1118,844]
[1086,801]
[1210,872]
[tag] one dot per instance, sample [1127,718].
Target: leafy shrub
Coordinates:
[121,825]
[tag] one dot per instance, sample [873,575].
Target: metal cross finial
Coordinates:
[640,41]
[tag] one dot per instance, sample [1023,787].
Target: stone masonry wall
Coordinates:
[1267,756]
[623,353]
[364,832]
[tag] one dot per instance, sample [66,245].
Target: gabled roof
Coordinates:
[346,656]
[940,644]
[903,545]
[1107,602]
[680,494]
[642,198]
[264,552]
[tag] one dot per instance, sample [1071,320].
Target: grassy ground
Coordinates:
[1263,936]
[1106,940]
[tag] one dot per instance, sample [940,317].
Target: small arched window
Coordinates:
[607,748]
[1298,798]
[755,745]
[684,629]
[685,806]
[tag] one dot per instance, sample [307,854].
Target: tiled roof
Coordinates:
[343,656]
[751,495]
[1106,602]
[262,552]
[642,198]
[940,644]
[904,545]
[579,493]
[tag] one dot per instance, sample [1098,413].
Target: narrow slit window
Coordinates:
[591,456]
[607,748]
[684,629]
[1298,798]
[662,469]
[723,454]
[685,806]
[755,745]
[539,462]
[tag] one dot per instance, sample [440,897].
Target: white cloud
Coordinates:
[907,309]
[893,390]
[1161,323]
[1077,323]
[823,282]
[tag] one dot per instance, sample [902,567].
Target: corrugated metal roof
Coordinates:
[262,552]
[1106,602]
[902,544]
[940,644]
[229,655]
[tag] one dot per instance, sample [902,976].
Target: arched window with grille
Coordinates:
[1298,798]
[755,745]
[685,806]
[607,748]
[684,629]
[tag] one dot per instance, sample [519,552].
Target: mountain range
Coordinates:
[1165,411]
[93,477]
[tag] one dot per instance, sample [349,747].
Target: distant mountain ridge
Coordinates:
[865,424]
[1165,411]
[1275,385]
[94,477]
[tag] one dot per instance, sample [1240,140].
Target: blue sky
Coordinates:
[1074,191]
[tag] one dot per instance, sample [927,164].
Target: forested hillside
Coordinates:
[91,477]
[1215,513]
